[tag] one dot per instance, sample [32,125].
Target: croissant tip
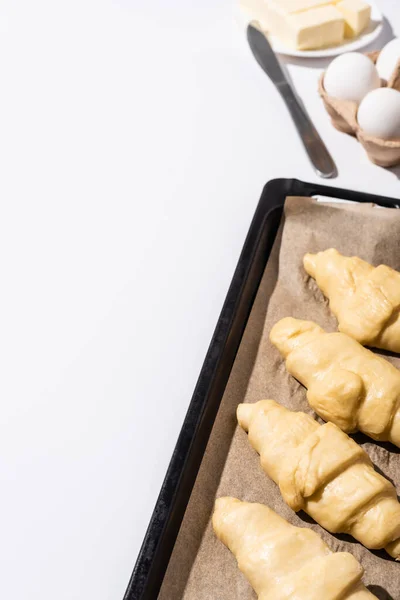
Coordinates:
[243,413]
[394,549]
[220,503]
[310,264]
[224,501]
[282,333]
[222,506]
[278,335]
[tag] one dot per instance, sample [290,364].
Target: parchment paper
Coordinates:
[201,568]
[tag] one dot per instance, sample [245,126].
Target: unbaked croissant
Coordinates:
[322,471]
[364,299]
[347,384]
[284,562]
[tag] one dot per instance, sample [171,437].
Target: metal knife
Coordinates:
[315,147]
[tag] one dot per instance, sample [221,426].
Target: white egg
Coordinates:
[388,59]
[379,114]
[350,77]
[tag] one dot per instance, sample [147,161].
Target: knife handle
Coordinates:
[315,147]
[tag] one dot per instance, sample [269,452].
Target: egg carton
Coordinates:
[343,114]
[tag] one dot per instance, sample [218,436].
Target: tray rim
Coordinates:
[153,558]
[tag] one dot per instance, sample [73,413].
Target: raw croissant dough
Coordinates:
[322,471]
[347,384]
[364,299]
[284,562]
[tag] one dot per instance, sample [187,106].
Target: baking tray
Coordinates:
[170,508]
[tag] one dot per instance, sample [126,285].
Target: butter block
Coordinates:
[296,6]
[300,24]
[357,15]
[269,12]
[306,30]
[318,28]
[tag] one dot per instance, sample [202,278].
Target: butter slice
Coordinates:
[296,6]
[271,13]
[357,15]
[308,29]
[300,24]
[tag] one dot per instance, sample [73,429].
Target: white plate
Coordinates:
[368,36]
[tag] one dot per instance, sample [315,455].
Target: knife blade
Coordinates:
[313,144]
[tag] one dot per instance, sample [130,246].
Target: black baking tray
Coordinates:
[168,513]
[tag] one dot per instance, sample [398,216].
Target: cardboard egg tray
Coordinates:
[385,153]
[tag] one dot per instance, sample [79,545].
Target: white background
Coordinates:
[135,139]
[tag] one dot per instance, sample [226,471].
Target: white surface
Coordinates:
[135,141]
[374,30]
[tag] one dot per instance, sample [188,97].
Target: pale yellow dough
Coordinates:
[347,384]
[322,471]
[284,562]
[364,299]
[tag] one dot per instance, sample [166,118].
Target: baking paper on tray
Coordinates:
[201,567]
